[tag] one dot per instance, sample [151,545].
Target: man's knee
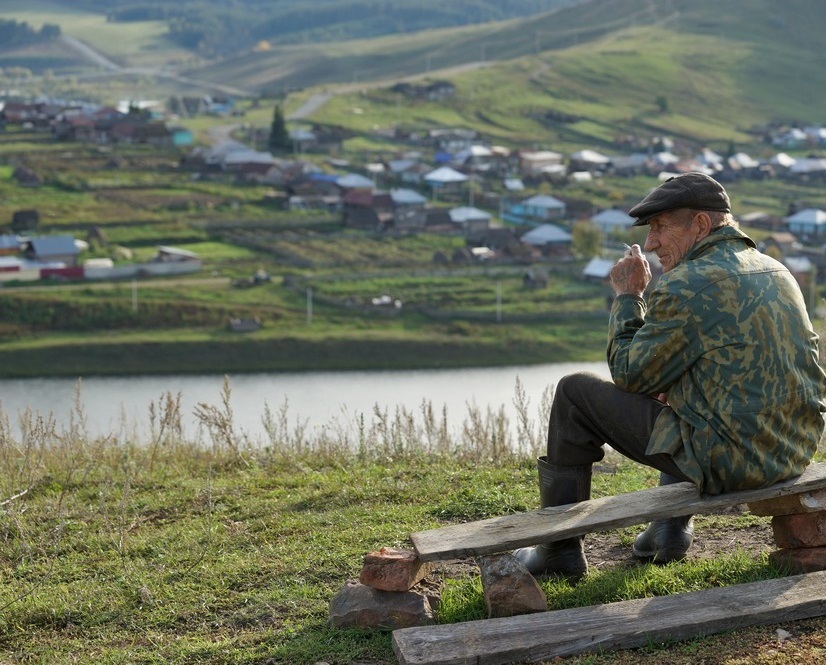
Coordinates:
[571,386]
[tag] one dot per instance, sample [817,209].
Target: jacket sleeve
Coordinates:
[650,348]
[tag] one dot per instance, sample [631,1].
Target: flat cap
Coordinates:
[693,190]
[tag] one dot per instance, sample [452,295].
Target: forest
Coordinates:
[20,33]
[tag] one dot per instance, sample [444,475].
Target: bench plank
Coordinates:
[624,625]
[499,534]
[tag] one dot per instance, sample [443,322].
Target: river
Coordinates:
[318,401]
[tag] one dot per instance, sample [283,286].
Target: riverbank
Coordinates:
[109,355]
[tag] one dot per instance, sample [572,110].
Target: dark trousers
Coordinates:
[589,411]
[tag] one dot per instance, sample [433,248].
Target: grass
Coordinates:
[204,550]
[138,42]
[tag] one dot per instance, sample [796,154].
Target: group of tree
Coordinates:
[20,33]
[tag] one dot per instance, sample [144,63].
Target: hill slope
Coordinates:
[677,68]
[784,39]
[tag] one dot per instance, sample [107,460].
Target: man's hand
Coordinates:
[631,274]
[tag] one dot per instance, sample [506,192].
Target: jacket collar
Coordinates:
[717,236]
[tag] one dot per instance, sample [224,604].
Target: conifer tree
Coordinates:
[279,136]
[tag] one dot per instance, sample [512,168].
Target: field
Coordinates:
[174,550]
[135,44]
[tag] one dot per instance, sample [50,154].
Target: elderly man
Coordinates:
[716,378]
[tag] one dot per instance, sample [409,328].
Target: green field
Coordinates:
[136,44]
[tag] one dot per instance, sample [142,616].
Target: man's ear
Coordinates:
[703,225]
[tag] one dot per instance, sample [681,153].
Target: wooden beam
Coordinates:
[623,625]
[499,534]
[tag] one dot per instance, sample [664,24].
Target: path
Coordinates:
[112,68]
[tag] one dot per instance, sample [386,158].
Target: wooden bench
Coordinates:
[543,636]
[500,534]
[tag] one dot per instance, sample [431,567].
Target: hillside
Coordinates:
[585,74]
[779,38]
[670,73]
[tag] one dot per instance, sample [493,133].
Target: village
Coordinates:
[441,180]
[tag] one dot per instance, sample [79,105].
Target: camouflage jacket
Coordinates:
[725,334]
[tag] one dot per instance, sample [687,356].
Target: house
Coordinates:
[810,222]
[808,166]
[472,221]
[514,184]
[588,160]
[408,210]
[25,220]
[74,126]
[167,254]
[181,137]
[434,91]
[549,238]
[791,138]
[636,163]
[355,181]
[238,324]
[452,140]
[367,210]
[612,220]
[475,158]
[9,245]
[437,220]
[784,244]
[759,219]
[445,180]
[598,269]
[247,162]
[710,159]
[533,163]
[52,249]
[742,163]
[139,132]
[542,208]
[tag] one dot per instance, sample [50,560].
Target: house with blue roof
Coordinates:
[52,249]
[810,222]
[535,210]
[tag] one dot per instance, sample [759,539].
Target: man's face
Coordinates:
[670,235]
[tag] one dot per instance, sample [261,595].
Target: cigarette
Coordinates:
[627,247]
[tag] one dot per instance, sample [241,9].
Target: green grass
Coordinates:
[179,550]
[138,43]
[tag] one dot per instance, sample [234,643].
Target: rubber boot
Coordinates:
[559,485]
[668,540]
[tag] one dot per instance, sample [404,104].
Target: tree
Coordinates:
[587,240]
[279,136]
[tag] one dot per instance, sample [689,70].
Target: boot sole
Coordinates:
[662,556]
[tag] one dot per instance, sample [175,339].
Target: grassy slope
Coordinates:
[134,44]
[681,49]
[613,85]
[179,553]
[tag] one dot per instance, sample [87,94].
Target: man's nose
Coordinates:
[650,245]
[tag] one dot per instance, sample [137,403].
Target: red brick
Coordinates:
[801,530]
[806,502]
[392,569]
[801,560]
